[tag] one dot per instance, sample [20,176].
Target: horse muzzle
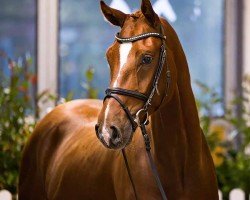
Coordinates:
[110,136]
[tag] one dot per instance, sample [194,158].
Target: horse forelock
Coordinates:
[136,24]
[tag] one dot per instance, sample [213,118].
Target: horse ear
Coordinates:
[115,17]
[149,13]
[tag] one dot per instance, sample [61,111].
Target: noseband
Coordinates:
[135,118]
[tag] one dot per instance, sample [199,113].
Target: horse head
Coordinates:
[135,59]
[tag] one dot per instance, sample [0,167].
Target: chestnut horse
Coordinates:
[64,159]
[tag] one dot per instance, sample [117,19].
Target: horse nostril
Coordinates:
[97,128]
[115,135]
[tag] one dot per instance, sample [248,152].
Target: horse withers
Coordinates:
[75,150]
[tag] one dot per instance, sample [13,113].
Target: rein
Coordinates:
[135,118]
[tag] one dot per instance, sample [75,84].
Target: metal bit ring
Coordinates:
[137,117]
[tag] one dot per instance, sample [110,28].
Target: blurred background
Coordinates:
[53,51]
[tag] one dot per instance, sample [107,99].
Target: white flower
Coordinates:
[6,90]
[247,150]
[29,119]
[31,129]
[20,121]
[7,124]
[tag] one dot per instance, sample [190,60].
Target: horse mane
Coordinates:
[190,113]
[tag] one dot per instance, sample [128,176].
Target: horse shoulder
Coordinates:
[49,134]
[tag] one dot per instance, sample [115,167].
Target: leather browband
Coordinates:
[138,37]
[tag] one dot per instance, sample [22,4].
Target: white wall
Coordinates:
[246,35]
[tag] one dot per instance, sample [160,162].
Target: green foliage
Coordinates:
[91,91]
[16,121]
[238,159]
[18,114]
[234,170]
[206,107]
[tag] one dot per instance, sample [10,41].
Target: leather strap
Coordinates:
[138,37]
[157,76]
[126,92]
[125,108]
[129,173]
[151,161]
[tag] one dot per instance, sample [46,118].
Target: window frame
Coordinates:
[232,51]
[47,50]
[246,38]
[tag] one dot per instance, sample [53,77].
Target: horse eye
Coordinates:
[147,59]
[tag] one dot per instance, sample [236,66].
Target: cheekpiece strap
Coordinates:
[139,37]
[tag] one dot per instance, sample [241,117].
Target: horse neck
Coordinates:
[177,144]
[175,134]
[175,125]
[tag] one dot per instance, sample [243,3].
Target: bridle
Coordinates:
[112,92]
[135,119]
